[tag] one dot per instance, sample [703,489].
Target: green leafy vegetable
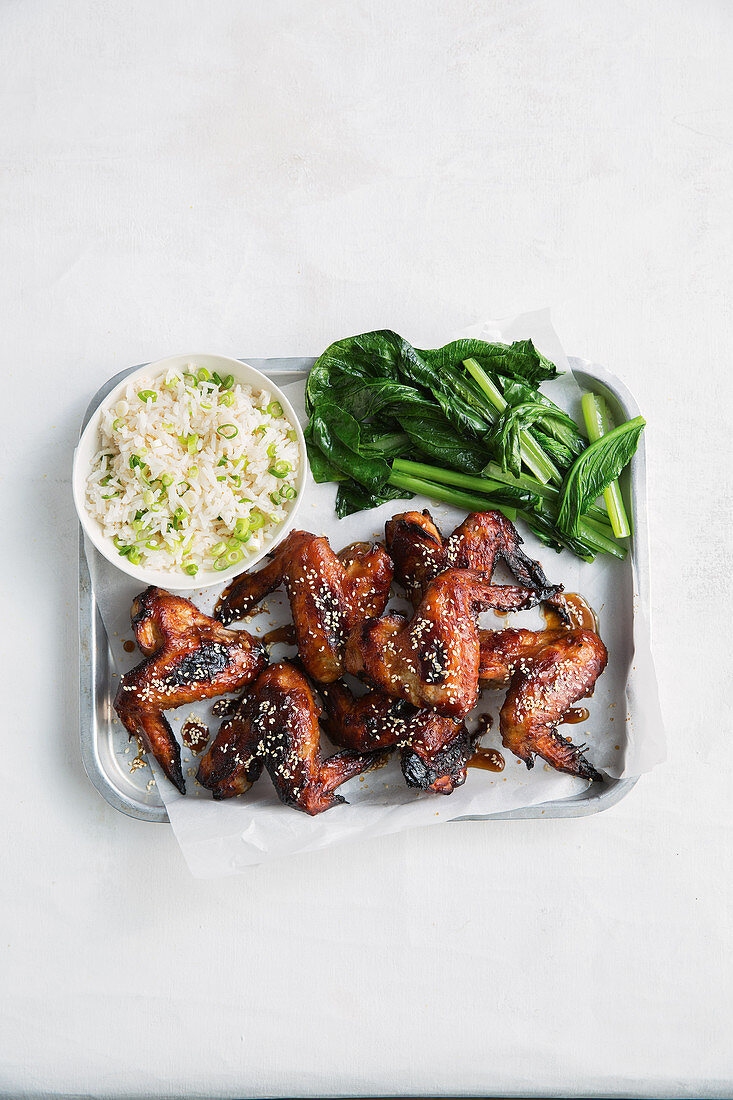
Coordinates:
[594,470]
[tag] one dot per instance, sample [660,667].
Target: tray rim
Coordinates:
[91,628]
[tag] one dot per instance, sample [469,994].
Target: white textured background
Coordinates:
[260,178]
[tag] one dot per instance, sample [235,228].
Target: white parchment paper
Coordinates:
[624,733]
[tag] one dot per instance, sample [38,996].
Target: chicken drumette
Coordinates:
[188,656]
[420,553]
[329,595]
[276,727]
[432,660]
[547,671]
[434,750]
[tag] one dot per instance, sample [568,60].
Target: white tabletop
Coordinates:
[259,179]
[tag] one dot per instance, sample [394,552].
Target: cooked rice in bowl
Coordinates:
[194,472]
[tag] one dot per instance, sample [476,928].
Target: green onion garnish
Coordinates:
[280,469]
[241,529]
[275,408]
[117,424]
[272,451]
[291,436]
[234,556]
[228,382]
[135,460]
[288,492]
[228,431]
[191,568]
[193,472]
[220,563]
[133,555]
[259,430]
[275,498]
[167,480]
[147,395]
[256,521]
[222,461]
[226,399]
[223,478]
[237,480]
[218,549]
[215,377]
[203,375]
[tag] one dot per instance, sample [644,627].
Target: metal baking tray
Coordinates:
[103,742]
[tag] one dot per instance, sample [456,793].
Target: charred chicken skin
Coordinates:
[276,727]
[329,595]
[188,656]
[547,671]
[432,660]
[420,553]
[434,750]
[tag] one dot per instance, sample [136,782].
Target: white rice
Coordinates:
[213,449]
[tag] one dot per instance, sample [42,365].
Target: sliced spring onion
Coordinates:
[280,469]
[222,461]
[288,492]
[228,431]
[236,480]
[272,451]
[203,375]
[135,461]
[205,405]
[216,377]
[222,478]
[234,556]
[218,549]
[166,480]
[191,568]
[256,521]
[133,555]
[275,498]
[275,408]
[147,395]
[220,563]
[178,516]
[259,430]
[117,424]
[189,378]
[193,472]
[291,435]
[233,544]
[241,529]
[226,399]
[228,382]
[148,497]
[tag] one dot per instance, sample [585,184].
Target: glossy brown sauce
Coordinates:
[195,735]
[575,715]
[489,760]
[284,634]
[129,647]
[222,708]
[579,611]
[138,761]
[484,724]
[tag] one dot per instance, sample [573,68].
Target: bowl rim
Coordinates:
[202,580]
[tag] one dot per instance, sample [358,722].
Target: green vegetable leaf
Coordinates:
[353,497]
[505,437]
[337,435]
[594,471]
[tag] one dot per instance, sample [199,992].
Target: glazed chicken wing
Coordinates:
[329,595]
[434,750]
[276,727]
[548,671]
[432,660]
[420,553]
[188,656]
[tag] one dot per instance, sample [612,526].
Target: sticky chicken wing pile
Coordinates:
[422,673]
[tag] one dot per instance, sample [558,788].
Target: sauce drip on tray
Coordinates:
[489,760]
[577,609]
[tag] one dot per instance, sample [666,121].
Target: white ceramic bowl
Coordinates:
[90,443]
